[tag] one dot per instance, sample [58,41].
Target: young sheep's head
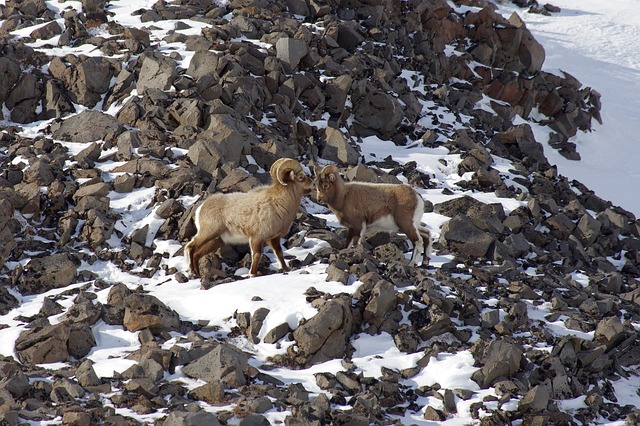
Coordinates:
[287,170]
[326,179]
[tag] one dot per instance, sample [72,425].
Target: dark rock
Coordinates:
[45,273]
[224,363]
[324,336]
[88,126]
[44,344]
[146,311]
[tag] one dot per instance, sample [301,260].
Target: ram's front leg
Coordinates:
[274,243]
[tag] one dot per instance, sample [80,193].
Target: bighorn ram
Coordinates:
[261,215]
[363,206]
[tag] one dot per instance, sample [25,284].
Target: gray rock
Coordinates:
[203,63]
[277,333]
[13,380]
[462,236]
[336,92]
[536,400]
[100,189]
[587,230]
[10,71]
[44,344]
[84,312]
[86,375]
[255,325]
[381,301]
[337,148]
[500,359]
[324,336]
[91,80]
[290,51]
[185,418]
[81,341]
[87,126]
[225,363]
[7,300]
[146,311]
[157,72]
[378,113]
[610,332]
[45,273]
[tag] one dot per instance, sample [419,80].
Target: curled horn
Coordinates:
[283,164]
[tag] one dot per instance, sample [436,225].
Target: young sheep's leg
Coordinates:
[362,232]
[256,254]
[414,236]
[426,236]
[351,235]
[274,243]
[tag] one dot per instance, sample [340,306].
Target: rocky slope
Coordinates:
[184,114]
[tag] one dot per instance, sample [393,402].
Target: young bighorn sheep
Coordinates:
[261,215]
[361,206]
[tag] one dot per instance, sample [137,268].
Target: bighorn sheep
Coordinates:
[363,206]
[261,215]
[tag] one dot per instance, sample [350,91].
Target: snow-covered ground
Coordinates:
[595,41]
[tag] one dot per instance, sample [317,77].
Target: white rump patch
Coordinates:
[229,238]
[385,223]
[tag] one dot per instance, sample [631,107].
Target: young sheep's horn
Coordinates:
[283,164]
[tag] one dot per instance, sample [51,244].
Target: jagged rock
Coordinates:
[499,359]
[45,273]
[290,51]
[324,336]
[146,311]
[10,70]
[227,139]
[7,300]
[86,375]
[255,325]
[81,340]
[13,380]
[185,418]
[462,236]
[225,363]
[536,400]
[157,72]
[277,333]
[88,126]
[378,113]
[337,148]
[44,344]
[381,301]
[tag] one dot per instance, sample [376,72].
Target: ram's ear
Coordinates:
[332,177]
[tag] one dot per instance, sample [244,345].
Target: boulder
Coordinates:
[87,126]
[225,363]
[157,72]
[146,311]
[462,236]
[44,344]
[45,273]
[324,336]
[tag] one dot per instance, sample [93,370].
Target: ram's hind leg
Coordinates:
[274,243]
[256,255]
[198,249]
